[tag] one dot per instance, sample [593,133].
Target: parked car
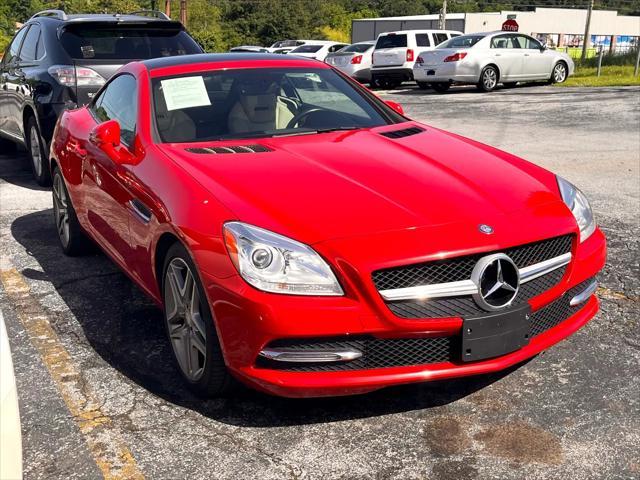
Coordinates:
[354,60]
[58,61]
[282,51]
[248,48]
[317,49]
[288,44]
[487,59]
[10,433]
[305,237]
[395,54]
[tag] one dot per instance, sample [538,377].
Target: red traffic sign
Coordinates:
[510,25]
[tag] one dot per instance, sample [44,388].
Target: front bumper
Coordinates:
[248,321]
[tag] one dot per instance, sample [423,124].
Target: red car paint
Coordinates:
[362,200]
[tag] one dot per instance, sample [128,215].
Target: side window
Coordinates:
[118,101]
[503,41]
[438,38]
[30,44]
[422,40]
[14,47]
[528,42]
[40,50]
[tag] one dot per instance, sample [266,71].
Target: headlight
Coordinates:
[278,264]
[579,206]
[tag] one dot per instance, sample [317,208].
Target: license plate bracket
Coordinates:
[495,334]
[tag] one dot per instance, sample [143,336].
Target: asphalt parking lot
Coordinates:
[99,394]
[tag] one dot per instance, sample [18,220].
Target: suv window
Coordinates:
[118,101]
[30,44]
[422,40]
[391,41]
[438,38]
[14,48]
[108,42]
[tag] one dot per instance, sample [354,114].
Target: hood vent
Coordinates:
[405,132]
[256,148]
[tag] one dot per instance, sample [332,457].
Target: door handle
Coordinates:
[526,54]
[498,54]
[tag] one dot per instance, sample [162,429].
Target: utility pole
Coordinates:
[183,12]
[167,8]
[587,32]
[442,24]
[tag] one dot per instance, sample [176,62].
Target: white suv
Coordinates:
[395,54]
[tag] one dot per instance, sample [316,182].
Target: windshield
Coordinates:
[307,49]
[253,103]
[463,41]
[357,48]
[391,41]
[91,41]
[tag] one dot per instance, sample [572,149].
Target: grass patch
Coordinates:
[611,76]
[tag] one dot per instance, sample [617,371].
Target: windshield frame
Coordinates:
[388,114]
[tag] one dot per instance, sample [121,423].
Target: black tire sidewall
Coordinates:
[216,379]
[44,179]
[78,244]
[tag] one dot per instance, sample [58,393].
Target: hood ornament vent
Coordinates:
[255,148]
[405,132]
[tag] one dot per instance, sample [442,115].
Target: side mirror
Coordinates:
[543,47]
[396,106]
[106,136]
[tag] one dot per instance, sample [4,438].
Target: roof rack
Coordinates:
[59,14]
[151,13]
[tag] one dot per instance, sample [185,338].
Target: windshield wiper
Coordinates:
[315,131]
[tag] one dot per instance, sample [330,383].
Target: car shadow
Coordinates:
[413,90]
[16,170]
[125,329]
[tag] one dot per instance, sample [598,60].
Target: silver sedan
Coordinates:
[487,59]
[354,60]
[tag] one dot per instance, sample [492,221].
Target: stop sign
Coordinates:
[510,25]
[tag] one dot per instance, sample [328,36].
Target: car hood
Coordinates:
[341,184]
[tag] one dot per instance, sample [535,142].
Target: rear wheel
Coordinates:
[559,73]
[441,87]
[423,85]
[37,154]
[190,327]
[72,238]
[488,79]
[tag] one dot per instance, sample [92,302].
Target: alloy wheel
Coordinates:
[61,210]
[36,152]
[185,322]
[559,73]
[489,79]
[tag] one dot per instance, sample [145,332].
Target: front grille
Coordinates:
[460,268]
[384,353]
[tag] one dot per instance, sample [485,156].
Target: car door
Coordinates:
[537,63]
[25,74]
[507,54]
[9,84]
[107,198]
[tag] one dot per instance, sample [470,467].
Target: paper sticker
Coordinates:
[185,92]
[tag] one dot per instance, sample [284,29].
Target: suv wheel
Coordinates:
[37,155]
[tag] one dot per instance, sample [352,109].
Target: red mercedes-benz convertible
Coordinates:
[307,238]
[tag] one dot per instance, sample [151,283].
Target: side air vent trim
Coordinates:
[405,132]
[255,148]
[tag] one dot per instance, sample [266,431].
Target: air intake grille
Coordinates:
[405,132]
[256,148]
[399,352]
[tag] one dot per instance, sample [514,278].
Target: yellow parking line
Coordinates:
[109,451]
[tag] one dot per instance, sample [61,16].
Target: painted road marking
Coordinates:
[110,452]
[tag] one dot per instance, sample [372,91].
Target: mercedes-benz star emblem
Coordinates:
[484,228]
[498,281]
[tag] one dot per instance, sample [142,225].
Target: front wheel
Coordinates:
[37,155]
[559,73]
[441,87]
[190,327]
[488,79]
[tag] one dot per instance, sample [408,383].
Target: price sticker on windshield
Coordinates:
[185,92]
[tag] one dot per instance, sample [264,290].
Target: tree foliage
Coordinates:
[220,24]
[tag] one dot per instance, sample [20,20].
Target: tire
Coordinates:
[510,84]
[190,328]
[72,238]
[488,79]
[375,82]
[423,85]
[36,153]
[441,87]
[559,73]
